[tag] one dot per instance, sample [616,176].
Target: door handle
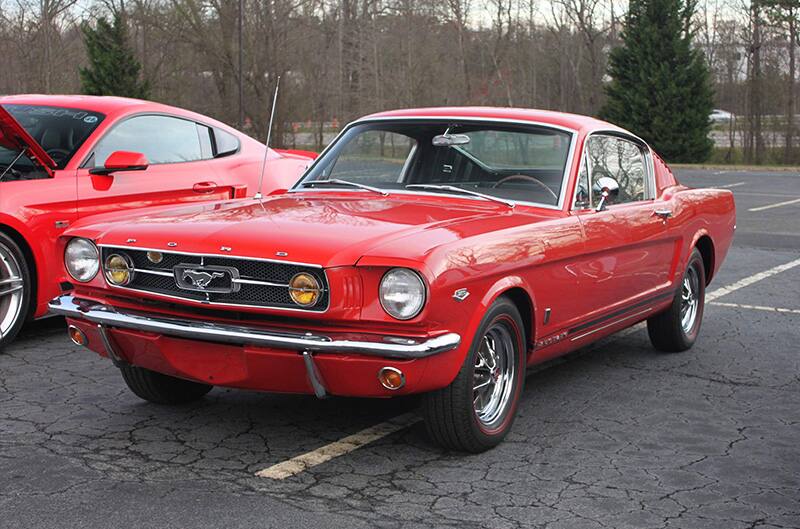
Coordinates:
[204,187]
[663,213]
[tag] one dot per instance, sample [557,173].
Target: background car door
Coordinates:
[178,151]
[629,250]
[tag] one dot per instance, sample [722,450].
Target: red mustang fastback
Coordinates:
[435,251]
[64,158]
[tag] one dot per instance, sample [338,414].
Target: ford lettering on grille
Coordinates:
[218,279]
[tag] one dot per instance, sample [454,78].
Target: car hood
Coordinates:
[327,229]
[13,136]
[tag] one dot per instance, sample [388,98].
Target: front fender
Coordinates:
[444,368]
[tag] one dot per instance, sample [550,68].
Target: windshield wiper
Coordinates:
[336,181]
[453,189]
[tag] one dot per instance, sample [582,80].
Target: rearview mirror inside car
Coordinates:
[122,161]
[450,140]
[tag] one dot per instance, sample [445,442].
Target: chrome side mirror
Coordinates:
[609,191]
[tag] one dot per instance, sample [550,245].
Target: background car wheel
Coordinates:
[676,329]
[475,412]
[15,290]
[162,389]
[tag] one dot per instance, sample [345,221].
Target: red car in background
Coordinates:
[436,251]
[64,158]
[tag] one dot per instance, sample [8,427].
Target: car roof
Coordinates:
[547,117]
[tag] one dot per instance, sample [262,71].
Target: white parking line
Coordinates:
[727,186]
[298,464]
[747,281]
[778,205]
[338,448]
[756,307]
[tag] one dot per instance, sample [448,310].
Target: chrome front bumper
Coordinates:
[384,346]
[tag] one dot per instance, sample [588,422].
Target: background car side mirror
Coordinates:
[122,161]
[609,191]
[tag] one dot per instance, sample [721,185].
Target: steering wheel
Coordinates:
[525,177]
[57,154]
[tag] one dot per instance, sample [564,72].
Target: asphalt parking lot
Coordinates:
[614,436]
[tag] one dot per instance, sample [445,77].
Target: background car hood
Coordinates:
[324,228]
[14,137]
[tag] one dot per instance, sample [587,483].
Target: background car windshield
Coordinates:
[512,162]
[60,131]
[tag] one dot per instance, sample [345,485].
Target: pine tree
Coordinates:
[660,87]
[113,68]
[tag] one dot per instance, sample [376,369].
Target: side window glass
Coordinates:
[621,160]
[583,198]
[204,134]
[375,156]
[162,139]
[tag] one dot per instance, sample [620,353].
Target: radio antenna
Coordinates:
[258,194]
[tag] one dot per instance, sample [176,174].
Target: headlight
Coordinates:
[82,259]
[119,269]
[304,289]
[402,293]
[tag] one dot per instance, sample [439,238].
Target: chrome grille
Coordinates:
[271,290]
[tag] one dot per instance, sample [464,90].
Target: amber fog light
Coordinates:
[77,336]
[155,257]
[391,378]
[304,289]
[119,269]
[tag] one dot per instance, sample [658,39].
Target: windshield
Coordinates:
[60,132]
[516,163]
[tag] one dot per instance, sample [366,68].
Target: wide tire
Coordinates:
[474,414]
[162,389]
[16,290]
[676,329]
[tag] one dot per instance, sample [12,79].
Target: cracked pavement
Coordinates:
[615,435]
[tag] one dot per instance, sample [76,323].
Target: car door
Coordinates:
[629,250]
[178,151]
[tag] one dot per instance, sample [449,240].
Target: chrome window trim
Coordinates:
[644,148]
[214,303]
[499,121]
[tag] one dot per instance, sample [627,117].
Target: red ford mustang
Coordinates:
[436,251]
[64,158]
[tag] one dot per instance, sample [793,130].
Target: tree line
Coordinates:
[340,59]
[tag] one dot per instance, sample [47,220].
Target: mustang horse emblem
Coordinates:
[200,279]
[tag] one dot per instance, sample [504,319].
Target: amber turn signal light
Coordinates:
[304,289]
[391,378]
[77,336]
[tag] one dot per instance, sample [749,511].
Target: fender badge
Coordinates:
[461,294]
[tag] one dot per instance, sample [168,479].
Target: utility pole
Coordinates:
[241,64]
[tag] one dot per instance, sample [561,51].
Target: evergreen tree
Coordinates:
[660,86]
[113,68]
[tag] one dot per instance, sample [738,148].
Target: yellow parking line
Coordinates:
[338,448]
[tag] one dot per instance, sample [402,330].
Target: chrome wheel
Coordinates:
[690,292]
[11,290]
[493,379]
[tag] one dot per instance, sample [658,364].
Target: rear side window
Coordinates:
[226,143]
[162,139]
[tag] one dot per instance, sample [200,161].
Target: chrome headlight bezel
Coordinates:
[82,259]
[412,279]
